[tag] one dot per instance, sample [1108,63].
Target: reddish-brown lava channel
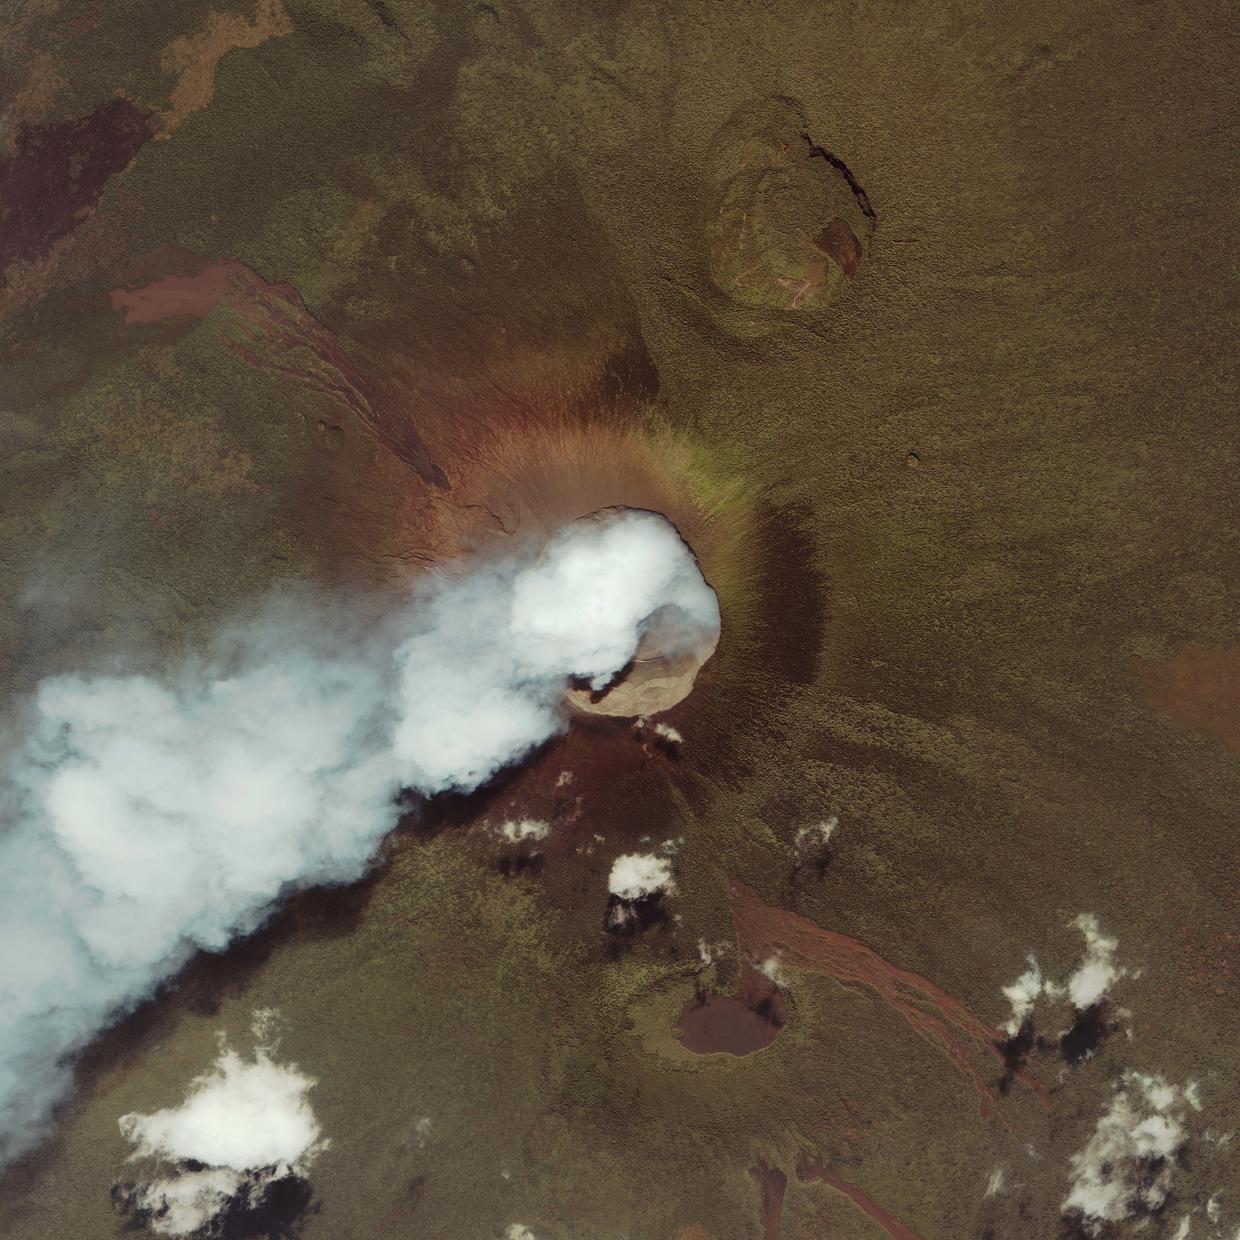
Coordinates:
[278,332]
[57,173]
[738,1024]
[816,1169]
[772,1184]
[763,930]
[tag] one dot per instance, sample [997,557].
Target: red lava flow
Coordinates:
[737,1024]
[274,319]
[935,1015]
[177,295]
[816,1169]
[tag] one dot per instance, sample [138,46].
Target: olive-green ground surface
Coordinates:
[991,480]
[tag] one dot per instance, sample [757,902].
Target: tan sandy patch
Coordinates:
[32,104]
[193,58]
[1200,689]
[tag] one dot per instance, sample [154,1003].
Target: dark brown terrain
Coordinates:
[919,320]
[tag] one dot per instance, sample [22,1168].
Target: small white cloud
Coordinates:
[663,730]
[636,875]
[1022,994]
[1097,972]
[185,1203]
[770,969]
[245,1123]
[1158,1092]
[517,1231]
[1192,1094]
[523,830]
[816,834]
[1186,1225]
[994,1185]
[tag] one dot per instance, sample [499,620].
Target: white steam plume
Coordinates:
[149,818]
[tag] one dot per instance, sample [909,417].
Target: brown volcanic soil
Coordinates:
[274,273]
[816,1169]
[57,172]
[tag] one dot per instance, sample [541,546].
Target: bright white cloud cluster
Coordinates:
[1097,972]
[637,875]
[772,969]
[146,818]
[1022,994]
[664,731]
[1127,1165]
[244,1124]
[524,830]
[1088,984]
[816,834]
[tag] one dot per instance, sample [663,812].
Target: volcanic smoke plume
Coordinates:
[149,818]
